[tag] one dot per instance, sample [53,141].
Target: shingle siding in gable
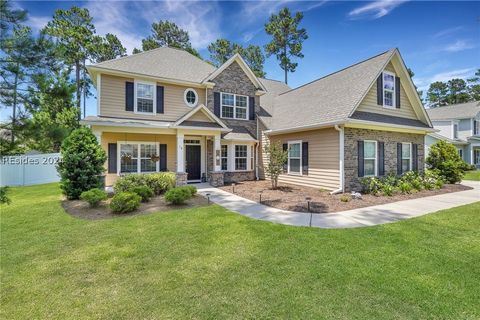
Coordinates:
[369,103]
[234,80]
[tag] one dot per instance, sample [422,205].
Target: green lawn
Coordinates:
[472,175]
[209,263]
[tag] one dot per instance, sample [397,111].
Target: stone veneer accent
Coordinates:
[181,178]
[390,139]
[238,176]
[234,80]
[216,179]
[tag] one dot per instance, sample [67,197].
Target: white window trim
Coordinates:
[375,168]
[234,106]
[154,111]
[235,157]
[410,158]
[191,105]
[227,157]
[393,106]
[300,173]
[454,123]
[138,143]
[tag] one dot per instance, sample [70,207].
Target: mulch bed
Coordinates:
[81,209]
[292,197]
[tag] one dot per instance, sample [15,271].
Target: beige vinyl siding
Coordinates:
[369,103]
[114,137]
[199,116]
[112,100]
[323,158]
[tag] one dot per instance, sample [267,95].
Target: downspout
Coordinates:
[257,144]
[342,158]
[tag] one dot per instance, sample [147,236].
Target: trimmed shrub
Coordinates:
[81,164]
[144,192]
[370,185]
[158,182]
[4,199]
[124,202]
[178,195]
[444,157]
[345,198]
[191,189]
[93,196]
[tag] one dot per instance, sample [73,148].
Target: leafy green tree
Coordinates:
[437,94]
[419,92]
[108,48]
[287,39]
[474,86]
[81,164]
[167,34]
[10,18]
[457,91]
[75,35]
[276,159]
[445,160]
[54,114]
[222,49]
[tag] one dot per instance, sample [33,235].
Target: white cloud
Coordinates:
[37,22]
[458,45]
[375,10]
[447,32]
[424,83]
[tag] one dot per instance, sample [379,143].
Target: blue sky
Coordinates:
[437,39]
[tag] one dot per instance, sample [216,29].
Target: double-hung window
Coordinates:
[294,157]
[240,157]
[388,89]
[137,157]
[145,97]
[476,127]
[455,131]
[234,106]
[224,156]
[369,158]
[406,157]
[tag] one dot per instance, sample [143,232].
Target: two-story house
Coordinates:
[166,109]
[458,124]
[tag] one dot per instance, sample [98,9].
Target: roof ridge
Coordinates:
[335,72]
[128,56]
[453,105]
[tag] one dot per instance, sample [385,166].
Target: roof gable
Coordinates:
[243,65]
[200,115]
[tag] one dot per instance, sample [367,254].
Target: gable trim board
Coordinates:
[206,111]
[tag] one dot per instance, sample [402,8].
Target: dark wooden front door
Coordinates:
[193,166]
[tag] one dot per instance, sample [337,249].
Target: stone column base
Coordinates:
[181,178]
[215,178]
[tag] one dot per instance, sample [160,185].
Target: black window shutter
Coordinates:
[414,157]
[360,159]
[397,92]
[160,99]
[112,158]
[251,108]
[216,103]
[129,96]
[285,165]
[163,157]
[305,158]
[380,90]
[381,158]
[399,158]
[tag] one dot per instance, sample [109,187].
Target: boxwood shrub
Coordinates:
[158,182]
[179,195]
[124,202]
[144,192]
[93,196]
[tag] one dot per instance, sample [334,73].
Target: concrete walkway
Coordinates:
[361,217]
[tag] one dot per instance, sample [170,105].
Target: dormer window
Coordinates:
[388,89]
[144,97]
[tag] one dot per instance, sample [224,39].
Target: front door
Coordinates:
[193,162]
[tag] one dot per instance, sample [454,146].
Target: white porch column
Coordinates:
[216,153]
[180,158]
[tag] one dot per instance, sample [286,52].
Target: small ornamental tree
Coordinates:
[81,164]
[276,159]
[444,158]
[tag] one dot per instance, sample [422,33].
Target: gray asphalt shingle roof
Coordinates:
[274,88]
[455,111]
[162,62]
[328,99]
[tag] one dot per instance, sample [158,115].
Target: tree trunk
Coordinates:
[77,80]
[84,92]
[285,66]
[14,107]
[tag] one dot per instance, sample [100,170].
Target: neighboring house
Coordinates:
[458,124]
[165,109]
